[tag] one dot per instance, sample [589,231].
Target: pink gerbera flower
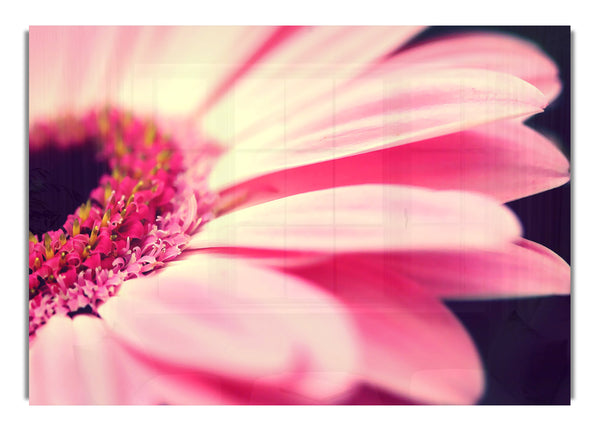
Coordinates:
[285,210]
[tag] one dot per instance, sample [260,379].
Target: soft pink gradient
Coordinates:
[365,218]
[356,190]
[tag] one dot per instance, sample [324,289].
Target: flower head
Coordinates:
[133,222]
[284,210]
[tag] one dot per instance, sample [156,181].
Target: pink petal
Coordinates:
[278,36]
[498,52]
[79,362]
[52,379]
[374,114]
[193,61]
[505,160]
[412,344]
[269,257]
[244,322]
[520,269]
[169,69]
[365,218]
[318,56]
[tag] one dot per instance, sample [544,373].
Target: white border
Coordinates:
[586,221]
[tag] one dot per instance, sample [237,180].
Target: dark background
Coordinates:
[525,343]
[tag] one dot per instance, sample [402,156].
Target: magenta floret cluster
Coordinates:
[139,216]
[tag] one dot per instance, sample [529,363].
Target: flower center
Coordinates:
[60,179]
[133,221]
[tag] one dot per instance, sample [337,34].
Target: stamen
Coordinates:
[84,211]
[48,246]
[137,186]
[150,134]
[105,218]
[116,174]
[107,191]
[163,156]
[120,148]
[94,235]
[76,227]
[126,207]
[32,238]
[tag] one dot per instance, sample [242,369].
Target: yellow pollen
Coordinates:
[84,210]
[32,238]
[107,191]
[129,201]
[48,246]
[116,174]
[86,251]
[37,263]
[94,235]
[163,156]
[105,218]
[62,238]
[137,186]
[120,148]
[150,134]
[63,257]
[76,227]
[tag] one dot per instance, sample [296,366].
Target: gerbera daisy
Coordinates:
[283,211]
